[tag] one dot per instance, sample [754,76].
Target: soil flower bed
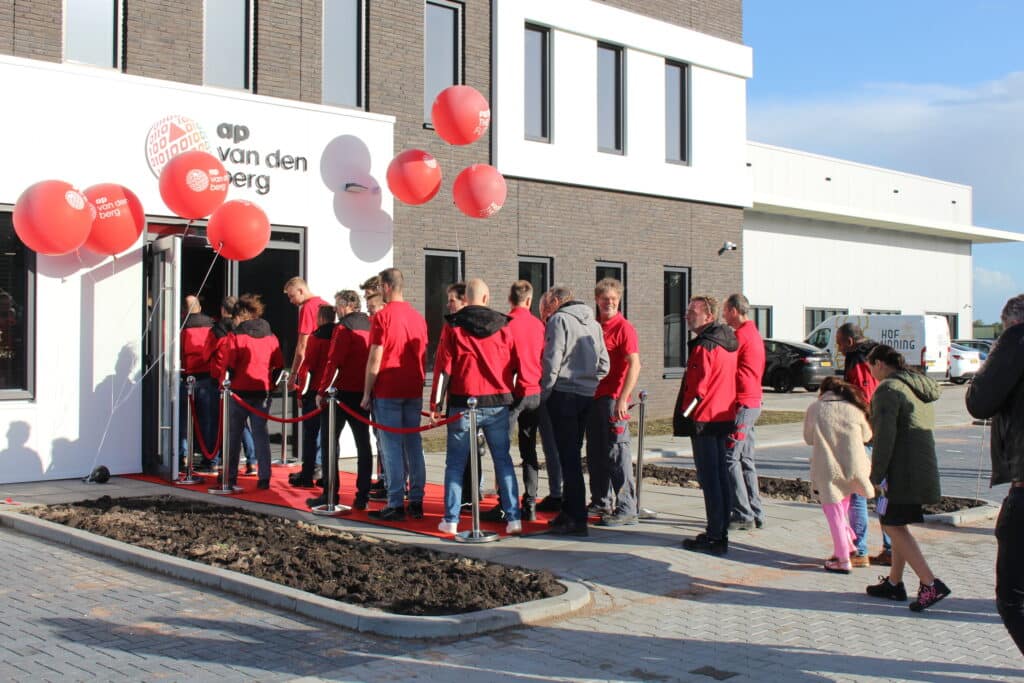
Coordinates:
[796,490]
[334,564]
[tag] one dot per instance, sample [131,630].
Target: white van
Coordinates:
[922,339]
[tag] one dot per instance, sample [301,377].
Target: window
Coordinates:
[677,296]
[676,117]
[762,317]
[343,53]
[442,269]
[537,271]
[616,270]
[90,32]
[880,311]
[953,320]
[227,44]
[442,50]
[610,112]
[536,83]
[17,314]
[816,316]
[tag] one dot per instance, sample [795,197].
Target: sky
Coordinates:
[932,87]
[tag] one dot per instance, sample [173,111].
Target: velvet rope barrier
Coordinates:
[259,413]
[209,455]
[399,430]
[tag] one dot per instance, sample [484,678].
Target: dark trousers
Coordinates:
[1010,564]
[467,473]
[569,413]
[524,420]
[360,434]
[238,416]
[609,459]
[310,432]
[714,480]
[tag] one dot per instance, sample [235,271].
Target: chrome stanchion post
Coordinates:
[285,375]
[189,479]
[225,445]
[475,535]
[329,509]
[641,512]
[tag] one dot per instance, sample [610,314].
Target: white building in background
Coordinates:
[827,236]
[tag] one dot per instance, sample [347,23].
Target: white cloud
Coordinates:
[993,280]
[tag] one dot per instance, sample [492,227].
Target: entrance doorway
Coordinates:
[179,262]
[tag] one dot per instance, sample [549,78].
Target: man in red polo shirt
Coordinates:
[612,489]
[309,306]
[395,370]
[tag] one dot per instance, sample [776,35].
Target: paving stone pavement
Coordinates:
[766,612]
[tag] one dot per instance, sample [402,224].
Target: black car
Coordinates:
[794,364]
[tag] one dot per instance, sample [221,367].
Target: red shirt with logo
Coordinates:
[401,332]
[621,341]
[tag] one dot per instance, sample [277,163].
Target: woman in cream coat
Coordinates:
[836,425]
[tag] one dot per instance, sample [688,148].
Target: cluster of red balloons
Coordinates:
[53,218]
[461,116]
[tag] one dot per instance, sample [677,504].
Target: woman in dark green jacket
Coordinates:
[904,467]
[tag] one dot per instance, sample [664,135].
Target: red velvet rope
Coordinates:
[209,455]
[266,416]
[399,430]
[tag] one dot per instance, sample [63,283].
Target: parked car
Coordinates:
[963,363]
[791,364]
[982,346]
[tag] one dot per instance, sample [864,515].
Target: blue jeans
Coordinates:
[248,446]
[859,522]
[403,453]
[713,476]
[205,395]
[261,439]
[493,420]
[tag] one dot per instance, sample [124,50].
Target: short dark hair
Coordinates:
[372,284]
[459,288]
[251,304]
[738,303]
[228,303]
[519,292]
[889,356]
[560,293]
[1013,311]
[392,277]
[325,314]
[851,331]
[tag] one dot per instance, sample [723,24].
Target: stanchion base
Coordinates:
[225,492]
[189,481]
[647,514]
[330,510]
[479,537]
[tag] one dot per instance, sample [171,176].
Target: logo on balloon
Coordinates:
[75,200]
[483,123]
[169,137]
[197,180]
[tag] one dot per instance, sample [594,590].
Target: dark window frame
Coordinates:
[459,48]
[362,63]
[620,99]
[676,371]
[460,257]
[250,49]
[684,114]
[549,262]
[545,90]
[31,275]
[769,319]
[621,265]
[882,311]
[117,47]
[810,313]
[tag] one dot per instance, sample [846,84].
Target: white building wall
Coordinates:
[86,126]
[717,94]
[792,264]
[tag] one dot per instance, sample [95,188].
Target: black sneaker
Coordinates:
[549,504]
[387,514]
[301,482]
[529,510]
[360,502]
[568,528]
[759,523]
[416,510]
[703,544]
[619,519]
[318,501]
[249,469]
[263,484]
[929,595]
[495,514]
[884,589]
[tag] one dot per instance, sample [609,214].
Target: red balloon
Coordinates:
[414,176]
[480,191]
[119,219]
[52,218]
[239,229]
[460,114]
[193,184]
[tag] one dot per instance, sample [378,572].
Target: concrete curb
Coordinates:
[576,597]
[963,517]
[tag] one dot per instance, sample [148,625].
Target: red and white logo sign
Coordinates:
[169,137]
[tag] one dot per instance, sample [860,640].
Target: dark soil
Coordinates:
[787,489]
[334,564]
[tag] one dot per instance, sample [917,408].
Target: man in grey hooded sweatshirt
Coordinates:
[575,360]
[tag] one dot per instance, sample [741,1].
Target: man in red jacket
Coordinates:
[479,357]
[196,333]
[747,509]
[708,405]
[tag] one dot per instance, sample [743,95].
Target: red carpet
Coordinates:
[282,494]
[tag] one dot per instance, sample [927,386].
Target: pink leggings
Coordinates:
[838,516]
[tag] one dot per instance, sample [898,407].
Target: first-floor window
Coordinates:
[442,268]
[17,313]
[881,311]
[617,271]
[677,296]
[537,271]
[762,317]
[816,316]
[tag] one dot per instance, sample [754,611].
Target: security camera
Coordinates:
[728,246]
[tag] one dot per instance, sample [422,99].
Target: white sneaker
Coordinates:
[448,528]
[514,528]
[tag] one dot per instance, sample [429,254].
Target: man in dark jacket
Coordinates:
[997,392]
[709,407]
[850,340]
[479,356]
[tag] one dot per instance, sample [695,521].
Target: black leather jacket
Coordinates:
[997,392]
